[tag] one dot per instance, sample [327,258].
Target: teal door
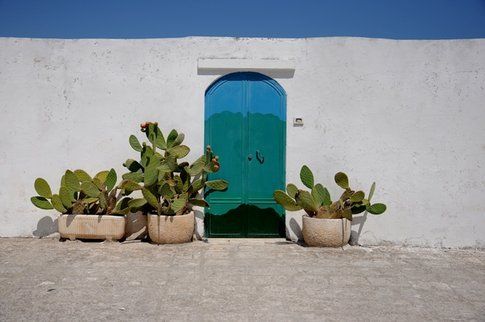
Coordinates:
[245,124]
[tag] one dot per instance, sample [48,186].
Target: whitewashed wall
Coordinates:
[408,114]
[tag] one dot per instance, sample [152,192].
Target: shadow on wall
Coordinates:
[357,221]
[45,227]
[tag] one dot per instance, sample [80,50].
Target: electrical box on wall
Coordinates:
[298,121]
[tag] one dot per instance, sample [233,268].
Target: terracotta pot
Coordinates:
[136,226]
[326,232]
[171,229]
[91,227]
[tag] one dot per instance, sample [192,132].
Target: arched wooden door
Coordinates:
[245,124]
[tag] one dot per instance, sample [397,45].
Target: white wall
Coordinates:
[408,114]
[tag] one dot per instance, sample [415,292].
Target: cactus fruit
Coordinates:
[317,202]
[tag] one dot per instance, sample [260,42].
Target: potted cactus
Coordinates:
[88,206]
[326,223]
[168,189]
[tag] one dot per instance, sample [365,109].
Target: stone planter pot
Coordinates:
[171,229]
[91,227]
[326,232]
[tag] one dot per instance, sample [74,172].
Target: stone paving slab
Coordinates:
[236,280]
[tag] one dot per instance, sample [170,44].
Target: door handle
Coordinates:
[259,156]
[250,157]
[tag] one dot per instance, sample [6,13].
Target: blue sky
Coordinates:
[397,19]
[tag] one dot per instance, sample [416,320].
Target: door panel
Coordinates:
[245,125]
[266,128]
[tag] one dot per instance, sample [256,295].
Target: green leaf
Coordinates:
[98,183]
[130,185]
[196,168]
[178,204]
[197,185]
[321,195]
[179,139]
[371,192]
[66,197]
[305,200]
[121,212]
[137,203]
[71,181]
[358,196]
[347,213]
[327,201]
[358,209]
[171,162]
[42,188]
[286,201]
[165,191]
[342,180]
[172,136]
[151,173]
[132,165]
[306,176]
[292,190]
[164,168]
[41,202]
[123,203]
[377,208]
[90,189]
[90,200]
[101,176]
[179,151]
[82,175]
[218,184]
[57,204]
[103,201]
[133,176]
[198,202]
[134,143]
[150,198]
[159,139]
[111,179]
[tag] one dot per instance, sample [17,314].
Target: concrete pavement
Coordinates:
[265,280]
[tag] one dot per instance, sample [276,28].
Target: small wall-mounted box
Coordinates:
[297,121]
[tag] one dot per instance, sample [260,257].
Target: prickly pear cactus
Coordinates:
[168,186]
[80,193]
[317,201]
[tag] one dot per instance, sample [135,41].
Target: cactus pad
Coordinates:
[306,177]
[286,201]
[42,188]
[342,180]
[41,202]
